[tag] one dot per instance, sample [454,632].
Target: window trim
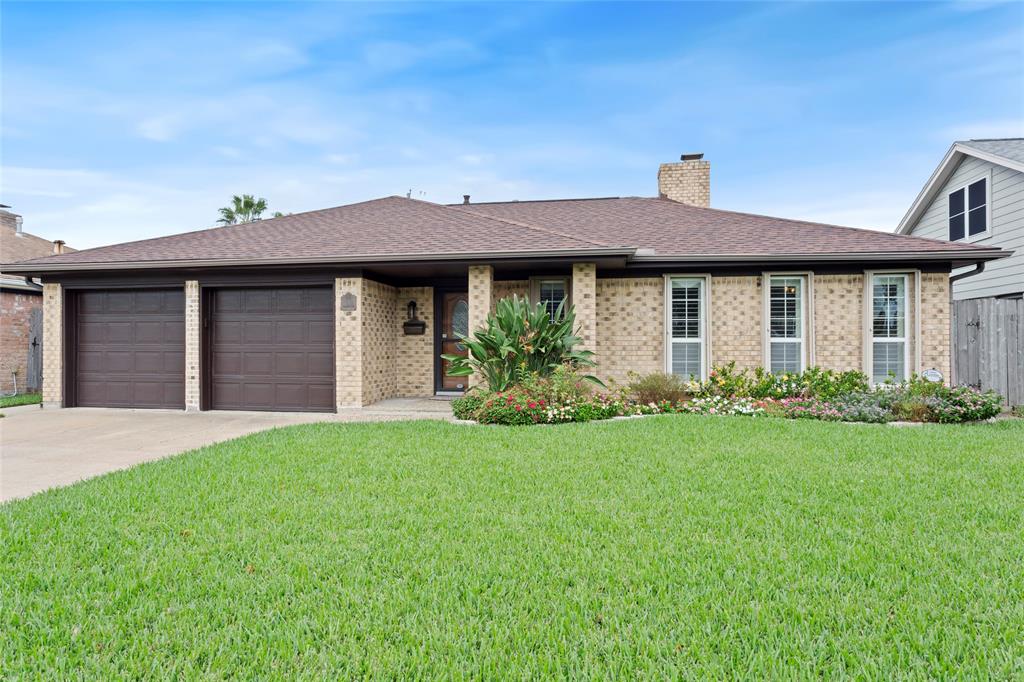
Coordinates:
[968,238]
[705,319]
[806,317]
[911,326]
[536,280]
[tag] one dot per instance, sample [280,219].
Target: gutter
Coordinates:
[973,254]
[38,268]
[978,269]
[632,255]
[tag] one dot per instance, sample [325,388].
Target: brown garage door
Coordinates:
[272,349]
[129,348]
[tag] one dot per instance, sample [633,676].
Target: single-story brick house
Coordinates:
[347,306]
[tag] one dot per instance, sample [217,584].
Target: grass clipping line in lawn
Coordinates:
[676,546]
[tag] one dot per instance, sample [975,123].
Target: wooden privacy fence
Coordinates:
[988,346]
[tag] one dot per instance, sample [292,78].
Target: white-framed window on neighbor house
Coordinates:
[787,323]
[551,291]
[687,326]
[969,214]
[889,327]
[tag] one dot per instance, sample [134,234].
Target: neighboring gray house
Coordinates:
[976,195]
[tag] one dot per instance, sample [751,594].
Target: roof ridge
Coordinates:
[528,226]
[536,201]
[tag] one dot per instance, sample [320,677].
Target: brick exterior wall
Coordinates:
[935,321]
[415,368]
[192,336]
[481,299]
[688,182]
[380,341]
[53,345]
[839,321]
[508,288]
[737,332]
[584,298]
[629,327]
[348,344]
[15,313]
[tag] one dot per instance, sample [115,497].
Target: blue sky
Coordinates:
[124,121]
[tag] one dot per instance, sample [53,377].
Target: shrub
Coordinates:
[1018,411]
[862,407]
[963,403]
[657,387]
[724,381]
[716,404]
[520,340]
[467,406]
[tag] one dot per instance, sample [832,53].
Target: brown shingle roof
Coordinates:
[675,229]
[397,227]
[390,226]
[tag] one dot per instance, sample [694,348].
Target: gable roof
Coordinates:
[395,229]
[1007,152]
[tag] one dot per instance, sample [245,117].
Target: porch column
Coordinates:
[192,336]
[348,342]
[584,298]
[481,285]
[53,345]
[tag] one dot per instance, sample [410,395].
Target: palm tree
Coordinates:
[243,209]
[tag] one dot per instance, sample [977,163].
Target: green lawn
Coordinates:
[20,399]
[668,547]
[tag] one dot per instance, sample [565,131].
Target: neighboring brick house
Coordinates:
[346,306]
[20,300]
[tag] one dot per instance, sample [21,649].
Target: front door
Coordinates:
[454,321]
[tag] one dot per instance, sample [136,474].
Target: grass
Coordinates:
[20,399]
[674,546]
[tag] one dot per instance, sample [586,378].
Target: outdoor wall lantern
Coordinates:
[413,326]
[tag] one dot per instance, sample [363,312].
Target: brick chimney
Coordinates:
[688,181]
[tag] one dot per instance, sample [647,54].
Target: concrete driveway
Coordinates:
[42,449]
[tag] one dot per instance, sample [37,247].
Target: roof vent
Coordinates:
[465,199]
[695,156]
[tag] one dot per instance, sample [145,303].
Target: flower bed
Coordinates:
[824,396]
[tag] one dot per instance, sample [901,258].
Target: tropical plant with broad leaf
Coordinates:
[243,209]
[520,340]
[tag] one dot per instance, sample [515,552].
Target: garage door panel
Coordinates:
[258,364]
[291,301]
[321,301]
[118,332]
[321,394]
[258,332]
[272,349]
[258,395]
[174,364]
[320,364]
[258,300]
[174,332]
[227,363]
[291,331]
[227,331]
[293,364]
[149,332]
[130,348]
[227,394]
[321,332]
